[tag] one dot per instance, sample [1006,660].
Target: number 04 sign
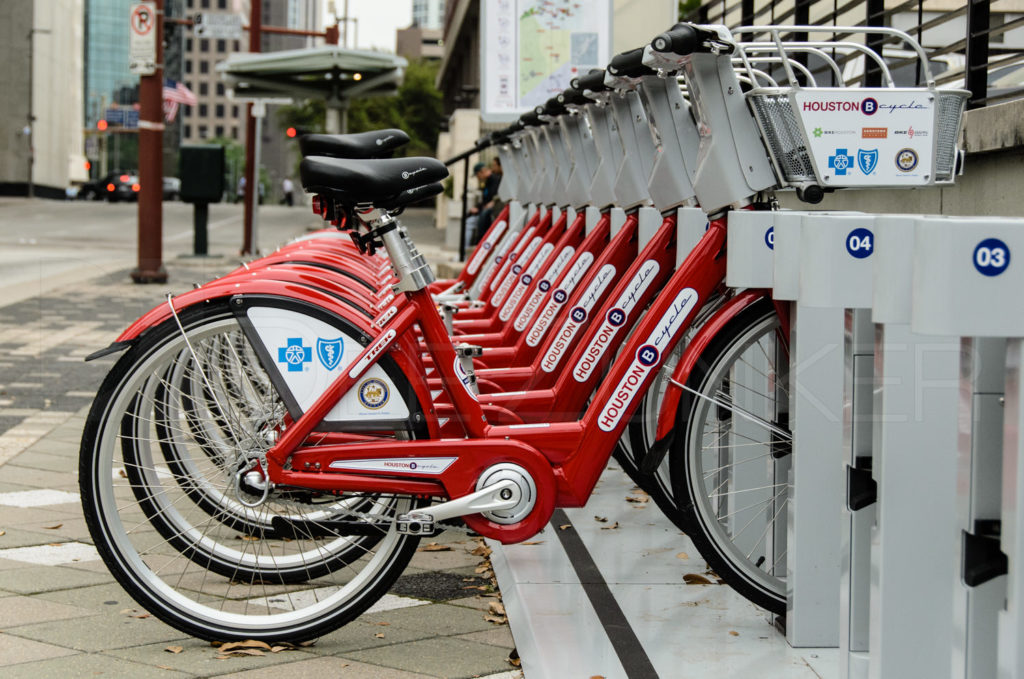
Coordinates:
[142,38]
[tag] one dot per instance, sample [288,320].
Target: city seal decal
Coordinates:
[373,394]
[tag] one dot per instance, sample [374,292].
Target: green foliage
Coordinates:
[417,110]
[687,6]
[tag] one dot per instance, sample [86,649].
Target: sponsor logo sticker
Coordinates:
[869,106]
[295,355]
[841,161]
[874,132]
[867,160]
[329,352]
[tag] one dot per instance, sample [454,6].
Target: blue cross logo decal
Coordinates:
[295,355]
[840,162]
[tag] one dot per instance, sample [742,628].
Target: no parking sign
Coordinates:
[142,38]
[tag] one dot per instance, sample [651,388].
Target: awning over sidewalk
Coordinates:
[331,73]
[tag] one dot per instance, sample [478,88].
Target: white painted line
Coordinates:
[290,602]
[52,555]
[392,602]
[38,498]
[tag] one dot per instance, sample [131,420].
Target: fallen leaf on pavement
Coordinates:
[611,527]
[734,633]
[533,542]
[434,547]
[496,607]
[379,635]
[694,579]
[174,649]
[3,532]
[481,550]
[513,658]
[54,527]
[248,643]
[498,620]
[602,519]
[682,555]
[564,526]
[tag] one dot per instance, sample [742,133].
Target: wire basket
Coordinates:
[839,137]
[849,135]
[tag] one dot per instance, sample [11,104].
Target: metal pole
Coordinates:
[151,141]
[346,24]
[976,70]
[31,117]
[874,42]
[747,12]
[262,111]
[255,27]
[465,198]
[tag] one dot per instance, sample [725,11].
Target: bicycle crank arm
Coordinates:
[501,495]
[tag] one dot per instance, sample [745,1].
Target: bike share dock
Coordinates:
[590,597]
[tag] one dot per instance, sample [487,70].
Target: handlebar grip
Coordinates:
[630,64]
[681,39]
[530,118]
[593,81]
[574,97]
[553,107]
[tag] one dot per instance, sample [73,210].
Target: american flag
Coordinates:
[176,93]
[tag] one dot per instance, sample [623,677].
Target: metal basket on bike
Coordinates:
[848,135]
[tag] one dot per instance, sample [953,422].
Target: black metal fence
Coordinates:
[974,44]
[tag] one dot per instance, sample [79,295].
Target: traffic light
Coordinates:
[101,125]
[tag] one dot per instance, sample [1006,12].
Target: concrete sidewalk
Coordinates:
[61,613]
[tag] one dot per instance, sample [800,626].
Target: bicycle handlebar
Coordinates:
[684,39]
[630,64]
[593,81]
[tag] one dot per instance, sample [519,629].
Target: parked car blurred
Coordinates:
[122,187]
[97,188]
[172,188]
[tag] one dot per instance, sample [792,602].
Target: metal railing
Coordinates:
[978,44]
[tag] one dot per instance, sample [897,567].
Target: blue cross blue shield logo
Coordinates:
[329,352]
[840,162]
[294,355]
[867,161]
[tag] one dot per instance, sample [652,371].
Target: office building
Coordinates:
[41,50]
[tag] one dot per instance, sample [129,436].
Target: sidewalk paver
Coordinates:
[63,614]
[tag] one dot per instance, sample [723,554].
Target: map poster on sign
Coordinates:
[531,49]
[142,38]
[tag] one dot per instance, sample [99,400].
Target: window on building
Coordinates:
[204,66]
[204,110]
[220,89]
[188,128]
[222,46]
[188,84]
[202,132]
[204,89]
[190,3]
[234,111]
[188,66]
[188,44]
[234,132]
[204,45]
[206,4]
[219,110]
[222,4]
[220,130]
[238,46]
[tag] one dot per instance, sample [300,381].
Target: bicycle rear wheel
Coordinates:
[159,455]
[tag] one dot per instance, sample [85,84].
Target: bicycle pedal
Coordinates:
[416,523]
[469,351]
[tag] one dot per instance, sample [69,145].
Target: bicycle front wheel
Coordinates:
[159,456]
[731,458]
